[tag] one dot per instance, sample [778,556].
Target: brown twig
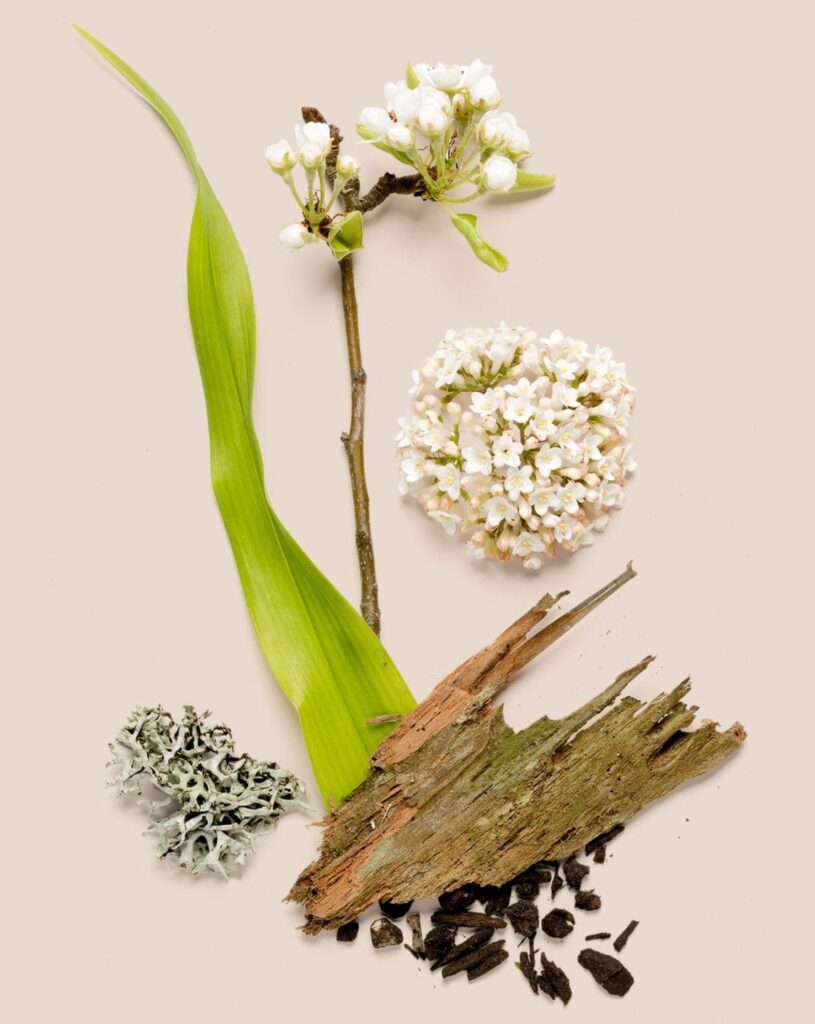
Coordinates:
[353,439]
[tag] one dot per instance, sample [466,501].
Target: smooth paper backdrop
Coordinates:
[679,233]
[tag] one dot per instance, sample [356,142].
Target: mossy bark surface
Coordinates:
[455,795]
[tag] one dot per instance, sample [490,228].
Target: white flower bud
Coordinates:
[311,156]
[295,236]
[281,157]
[400,137]
[499,174]
[484,94]
[314,133]
[517,144]
[374,123]
[474,368]
[467,418]
[432,120]
[454,411]
[347,166]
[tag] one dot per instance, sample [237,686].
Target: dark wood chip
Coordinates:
[600,855]
[574,872]
[499,898]
[467,919]
[439,941]
[556,979]
[558,923]
[414,922]
[587,900]
[604,838]
[394,910]
[348,932]
[487,965]
[479,938]
[607,971]
[524,917]
[478,956]
[459,899]
[557,884]
[598,935]
[385,933]
[624,936]
[528,889]
[526,966]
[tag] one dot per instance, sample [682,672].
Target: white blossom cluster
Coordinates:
[517,441]
[445,123]
[312,150]
[215,799]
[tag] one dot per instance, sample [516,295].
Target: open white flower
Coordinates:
[518,442]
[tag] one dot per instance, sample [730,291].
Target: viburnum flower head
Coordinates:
[518,442]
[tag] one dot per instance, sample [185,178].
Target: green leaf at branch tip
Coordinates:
[326,660]
[529,183]
[345,235]
[411,78]
[467,224]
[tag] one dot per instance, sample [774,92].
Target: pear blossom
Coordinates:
[492,451]
[499,173]
[447,123]
[281,157]
[295,236]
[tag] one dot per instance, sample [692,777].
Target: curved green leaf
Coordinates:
[325,658]
[345,235]
[530,184]
[467,224]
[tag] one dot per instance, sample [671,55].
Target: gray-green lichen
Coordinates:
[215,800]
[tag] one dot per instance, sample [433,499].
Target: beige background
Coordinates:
[680,233]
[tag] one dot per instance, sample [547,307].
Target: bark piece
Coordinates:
[458,797]
[598,935]
[587,900]
[414,922]
[558,923]
[348,932]
[385,933]
[478,956]
[439,941]
[479,938]
[607,971]
[467,919]
[624,936]
[553,980]
[489,963]
[604,838]
[394,910]
[459,899]
[524,917]
[526,965]
[574,872]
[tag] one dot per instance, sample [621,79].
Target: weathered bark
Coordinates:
[454,795]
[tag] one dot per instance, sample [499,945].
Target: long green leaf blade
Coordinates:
[323,655]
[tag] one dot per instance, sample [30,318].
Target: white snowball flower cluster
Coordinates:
[518,442]
[444,121]
[313,149]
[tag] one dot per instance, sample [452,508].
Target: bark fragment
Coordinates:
[456,797]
